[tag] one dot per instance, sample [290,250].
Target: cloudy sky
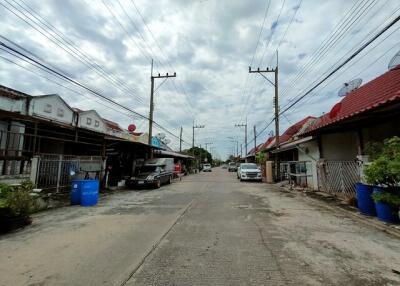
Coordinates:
[108,45]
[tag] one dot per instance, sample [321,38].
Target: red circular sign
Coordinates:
[131,127]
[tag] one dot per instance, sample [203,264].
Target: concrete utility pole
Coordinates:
[194,127]
[180,140]
[152,77]
[241,152]
[276,103]
[245,138]
[200,153]
[209,143]
[255,140]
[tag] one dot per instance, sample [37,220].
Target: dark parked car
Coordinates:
[154,173]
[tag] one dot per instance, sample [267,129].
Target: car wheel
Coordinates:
[241,180]
[169,179]
[158,184]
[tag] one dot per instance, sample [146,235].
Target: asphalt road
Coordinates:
[209,229]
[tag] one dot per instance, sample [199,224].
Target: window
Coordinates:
[96,123]
[60,112]
[47,108]
[89,121]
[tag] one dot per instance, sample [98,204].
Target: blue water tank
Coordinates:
[385,212]
[89,192]
[76,192]
[365,202]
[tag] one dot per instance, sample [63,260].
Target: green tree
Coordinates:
[200,152]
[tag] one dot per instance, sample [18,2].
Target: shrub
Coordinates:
[17,200]
[385,168]
[392,199]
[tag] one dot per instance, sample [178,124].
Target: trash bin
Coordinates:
[75,195]
[89,192]
[365,202]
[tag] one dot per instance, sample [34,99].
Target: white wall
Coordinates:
[51,107]
[309,152]
[91,120]
[339,146]
[12,105]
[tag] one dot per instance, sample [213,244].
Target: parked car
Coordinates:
[207,168]
[154,173]
[232,167]
[224,166]
[249,171]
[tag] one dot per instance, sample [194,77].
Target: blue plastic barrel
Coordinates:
[89,192]
[384,211]
[76,192]
[365,202]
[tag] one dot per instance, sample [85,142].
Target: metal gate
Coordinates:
[338,177]
[56,171]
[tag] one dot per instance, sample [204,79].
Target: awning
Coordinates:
[172,154]
[292,145]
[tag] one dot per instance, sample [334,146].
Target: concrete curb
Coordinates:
[367,220]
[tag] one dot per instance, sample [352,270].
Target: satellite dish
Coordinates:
[161,135]
[349,87]
[167,141]
[395,61]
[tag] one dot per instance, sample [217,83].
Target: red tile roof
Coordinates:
[379,91]
[266,143]
[294,129]
[251,152]
[289,134]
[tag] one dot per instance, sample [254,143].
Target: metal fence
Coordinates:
[338,177]
[57,171]
[298,173]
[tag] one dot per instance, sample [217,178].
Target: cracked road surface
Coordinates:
[209,229]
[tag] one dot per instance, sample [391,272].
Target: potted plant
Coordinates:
[365,202]
[384,174]
[16,205]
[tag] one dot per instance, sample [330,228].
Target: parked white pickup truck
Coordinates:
[249,171]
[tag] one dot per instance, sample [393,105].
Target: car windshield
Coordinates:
[207,165]
[248,166]
[148,169]
[232,164]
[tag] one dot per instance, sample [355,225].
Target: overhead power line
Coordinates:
[165,57]
[50,70]
[347,60]
[268,4]
[352,18]
[376,36]
[28,15]
[354,48]
[287,29]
